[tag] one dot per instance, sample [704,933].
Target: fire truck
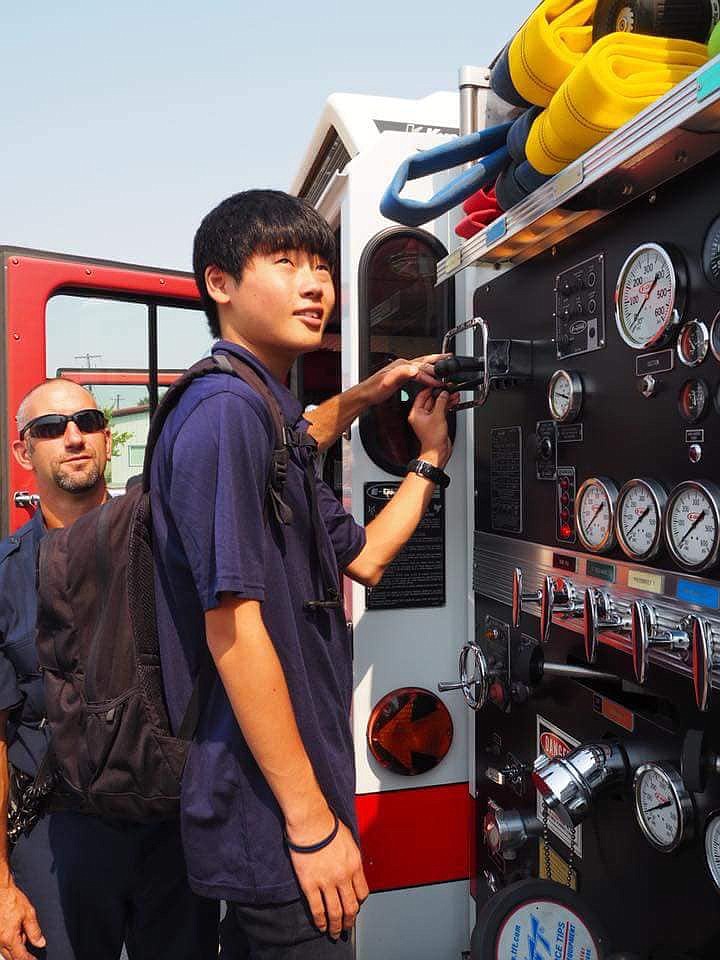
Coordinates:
[536,678]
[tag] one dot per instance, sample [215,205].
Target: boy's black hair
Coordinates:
[252,222]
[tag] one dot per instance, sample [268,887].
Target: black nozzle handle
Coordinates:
[451,366]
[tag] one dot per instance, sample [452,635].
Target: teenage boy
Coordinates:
[76,886]
[268,791]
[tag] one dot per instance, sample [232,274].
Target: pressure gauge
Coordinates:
[638,521]
[712,849]
[662,806]
[711,254]
[693,343]
[565,394]
[692,524]
[595,514]
[715,337]
[649,296]
[693,400]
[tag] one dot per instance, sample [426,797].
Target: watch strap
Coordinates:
[424,469]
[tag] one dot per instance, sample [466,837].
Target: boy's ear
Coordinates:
[217,283]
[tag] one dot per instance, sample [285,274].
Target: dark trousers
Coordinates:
[96,885]
[277,932]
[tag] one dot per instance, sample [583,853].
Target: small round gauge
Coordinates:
[715,337]
[662,806]
[693,343]
[649,296]
[692,524]
[638,520]
[712,848]
[694,400]
[595,514]
[711,254]
[565,394]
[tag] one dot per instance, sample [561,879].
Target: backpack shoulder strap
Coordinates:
[221,362]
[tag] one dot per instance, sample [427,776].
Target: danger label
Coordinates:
[544,930]
[553,742]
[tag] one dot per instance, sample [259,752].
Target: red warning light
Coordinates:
[566,531]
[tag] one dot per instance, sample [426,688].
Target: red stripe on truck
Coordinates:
[414,837]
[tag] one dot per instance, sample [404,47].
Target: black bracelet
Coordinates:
[321,844]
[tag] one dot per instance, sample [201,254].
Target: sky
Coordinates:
[123,124]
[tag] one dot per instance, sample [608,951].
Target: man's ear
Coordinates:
[108,443]
[20,452]
[217,283]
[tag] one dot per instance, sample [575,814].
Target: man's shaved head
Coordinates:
[53,396]
[73,462]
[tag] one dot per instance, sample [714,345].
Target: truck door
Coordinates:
[122,331]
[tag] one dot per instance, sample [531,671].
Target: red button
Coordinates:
[564,498]
[566,531]
[564,482]
[564,514]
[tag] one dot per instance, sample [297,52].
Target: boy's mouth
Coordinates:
[313,316]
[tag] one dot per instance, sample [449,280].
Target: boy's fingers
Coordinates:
[350,905]
[334,911]
[317,909]
[33,931]
[360,884]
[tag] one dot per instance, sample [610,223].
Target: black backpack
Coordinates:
[113,751]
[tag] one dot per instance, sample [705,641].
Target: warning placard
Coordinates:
[554,742]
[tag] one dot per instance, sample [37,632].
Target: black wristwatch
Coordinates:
[424,469]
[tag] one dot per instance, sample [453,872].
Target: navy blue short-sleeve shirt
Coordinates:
[209,481]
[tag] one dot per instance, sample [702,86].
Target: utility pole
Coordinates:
[88,358]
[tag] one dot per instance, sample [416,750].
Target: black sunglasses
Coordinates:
[53,425]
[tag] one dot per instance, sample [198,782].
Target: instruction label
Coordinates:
[544,930]
[416,577]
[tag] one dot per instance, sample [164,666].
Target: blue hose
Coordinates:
[488,144]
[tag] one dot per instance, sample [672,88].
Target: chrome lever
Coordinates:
[646,634]
[24,500]
[705,655]
[484,381]
[519,598]
[558,596]
[600,615]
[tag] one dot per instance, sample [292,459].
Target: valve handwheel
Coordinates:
[679,19]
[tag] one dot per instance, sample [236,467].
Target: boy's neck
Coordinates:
[278,364]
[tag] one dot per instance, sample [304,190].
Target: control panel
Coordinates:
[597,545]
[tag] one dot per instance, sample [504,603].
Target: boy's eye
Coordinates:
[324,266]
[283,260]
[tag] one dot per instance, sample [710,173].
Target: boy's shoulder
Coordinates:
[219,395]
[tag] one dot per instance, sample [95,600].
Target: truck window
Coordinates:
[127,354]
[402,314]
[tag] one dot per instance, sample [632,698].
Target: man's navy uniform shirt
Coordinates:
[20,681]
[209,480]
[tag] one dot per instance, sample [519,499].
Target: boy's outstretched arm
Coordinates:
[334,416]
[388,533]
[332,879]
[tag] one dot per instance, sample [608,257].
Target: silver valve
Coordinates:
[475,686]
[557,596]
[519,598]
[600,614]
[505,831]
[569,784]
[645,634]
[705,655]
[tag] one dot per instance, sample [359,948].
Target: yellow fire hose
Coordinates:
[551,43]
[620,75]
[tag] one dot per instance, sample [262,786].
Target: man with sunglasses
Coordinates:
[77,886]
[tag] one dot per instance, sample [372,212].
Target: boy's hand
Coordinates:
[333,882]
[383,384]
[428,418]
[18,924]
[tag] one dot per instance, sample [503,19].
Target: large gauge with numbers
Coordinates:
[595,514]
[712,848]
[638,520]
[649,296]
[662,806]
[692,524]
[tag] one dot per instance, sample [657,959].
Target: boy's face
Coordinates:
[280,307]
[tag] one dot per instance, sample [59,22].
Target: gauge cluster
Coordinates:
[642,517]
